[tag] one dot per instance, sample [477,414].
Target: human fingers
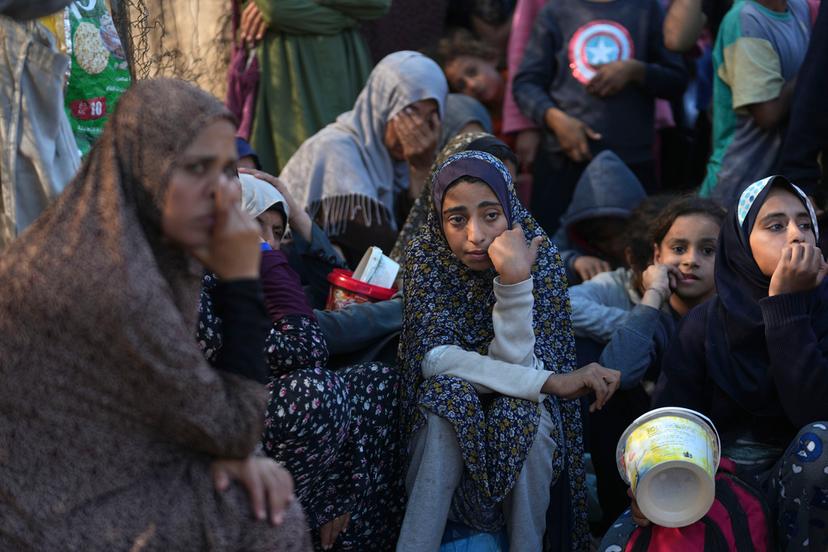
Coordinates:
[222,209]
[269,178]
[785,257]
[252,481]
[638,517]
[596,81]
[259,25]
[613,380]
[674,276]
[595,382]
[591,134]
[246,19]
[279,494]
[583,143]
[797,253]
[325,535]
[221,480]
[534,245]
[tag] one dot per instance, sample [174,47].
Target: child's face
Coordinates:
[272,227]
[782,220]
[690,246]
[475,77]
[472,218]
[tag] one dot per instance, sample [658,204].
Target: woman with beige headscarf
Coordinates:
[115,433]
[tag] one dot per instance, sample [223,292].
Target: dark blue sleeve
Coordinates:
[635,346]
[318,259]
[666,75]
[798,357]
[239,305]
[538,68]
[683,367]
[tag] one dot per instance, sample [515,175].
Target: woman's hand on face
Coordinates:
[589,267]
[637,516]
[801,267]
[268,484]
[511,257]
[299,219]
[329,532]
[234,252]
[591,378]
[659,281]
[418,137]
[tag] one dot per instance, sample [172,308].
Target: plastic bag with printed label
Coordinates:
[99,72]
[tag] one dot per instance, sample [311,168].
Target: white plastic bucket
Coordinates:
[669,457]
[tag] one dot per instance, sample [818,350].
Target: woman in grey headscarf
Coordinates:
[358,175]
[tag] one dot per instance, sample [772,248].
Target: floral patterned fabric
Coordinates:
[335,431]
[447,303]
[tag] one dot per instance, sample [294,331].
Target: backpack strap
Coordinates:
[738,517]
[642,537]
[714,539]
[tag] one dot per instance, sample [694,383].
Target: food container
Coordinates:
[346,290]
[669,457]
[376,269]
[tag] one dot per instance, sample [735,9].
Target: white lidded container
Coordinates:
[669,457]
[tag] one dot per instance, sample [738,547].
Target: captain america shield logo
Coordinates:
[597,43]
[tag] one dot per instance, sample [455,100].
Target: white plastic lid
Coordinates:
[675,493]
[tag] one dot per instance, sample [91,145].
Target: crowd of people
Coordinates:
[598,208]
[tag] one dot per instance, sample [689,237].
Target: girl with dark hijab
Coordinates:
[115,433]
[755,358]
[488,357]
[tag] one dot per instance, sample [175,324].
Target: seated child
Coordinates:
[590,237]
[602,304]
[488,361]
[685,236]
[681,276]
[753,359]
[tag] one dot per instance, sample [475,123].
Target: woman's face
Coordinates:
[273,227]
[425,109]
[472,218]
[782,220]
[475,77]
[690,246]
[188,212]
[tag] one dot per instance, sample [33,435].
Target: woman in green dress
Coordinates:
[314,62]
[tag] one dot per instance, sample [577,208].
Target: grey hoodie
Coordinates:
[607,188]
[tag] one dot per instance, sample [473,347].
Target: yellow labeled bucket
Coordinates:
[669,457]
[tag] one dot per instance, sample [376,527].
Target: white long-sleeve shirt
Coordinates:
[510,367]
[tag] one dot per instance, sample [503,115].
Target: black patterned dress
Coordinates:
[337,432]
